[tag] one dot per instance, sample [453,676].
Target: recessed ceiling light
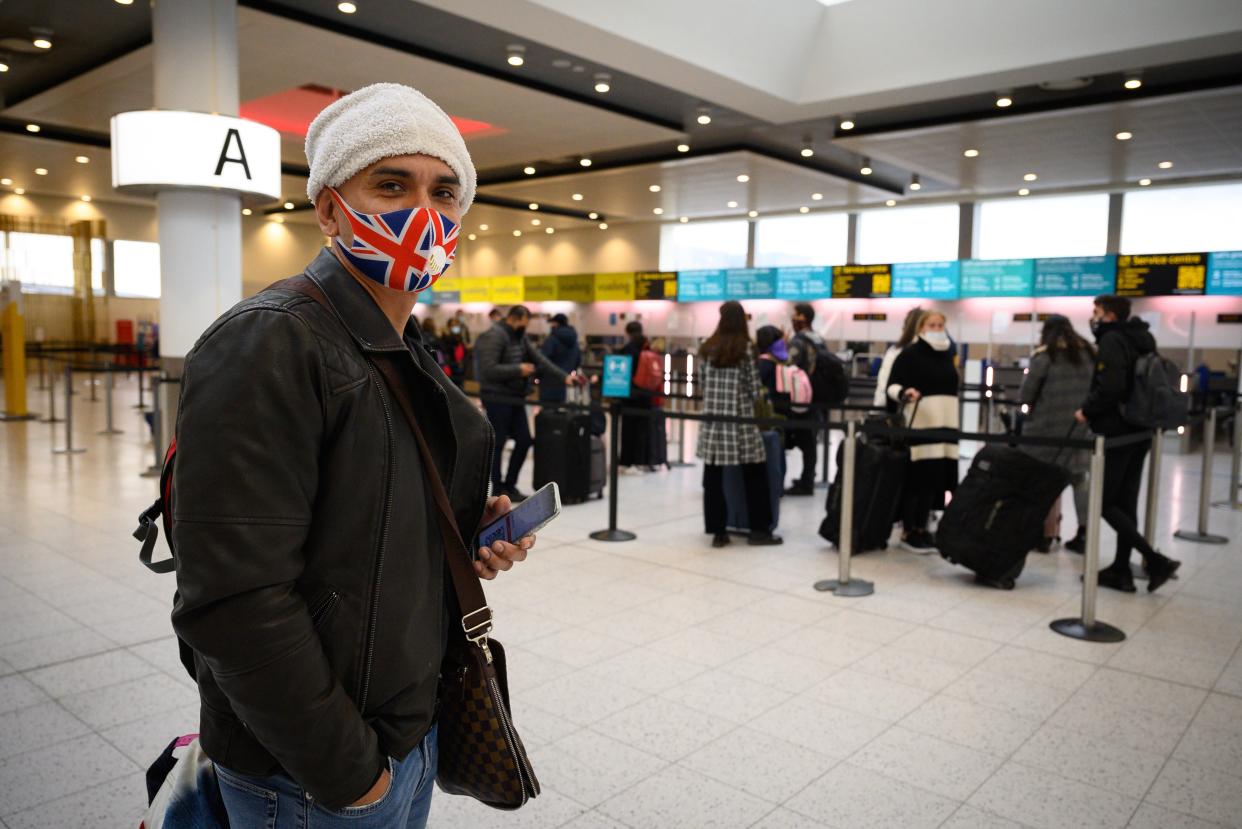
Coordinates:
[517,233]
[40,171]
[517,55]
[915,184]
[530,171]
[1024,192]
[536,222]
[1124,135]
[585,162]
[346,8]
[6,181]
[483,227]
[125,2]
[817,196]
[1143,182]
[603,82]
[472,237]
[752,213]
[246,211]
[81,159]
[4,67]
[683,148]
[890,203]
[743,178]
[1030,177]
[659,211]
[807,152]
[847,124]
[533,205]
[654,188]
[33,128]
[549,230]
[288,205]
[684,219]
[592,215]
[1164,165]
[731,204]
[866,168]
[85,197]
[576,197]
[603,225]
[1133,81]
[42,43]
[804,209]
[21,191]
[1003,101]
[704,119]
[971,153]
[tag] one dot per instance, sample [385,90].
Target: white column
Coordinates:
[195,43]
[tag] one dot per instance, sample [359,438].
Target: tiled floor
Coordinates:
[660,683]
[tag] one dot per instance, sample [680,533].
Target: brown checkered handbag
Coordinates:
[481,754]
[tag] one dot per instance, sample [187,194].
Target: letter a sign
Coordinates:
[154,150]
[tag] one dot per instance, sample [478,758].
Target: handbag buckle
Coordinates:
[475,632]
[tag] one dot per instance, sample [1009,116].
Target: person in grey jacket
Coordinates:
[1056,382]
[505,361]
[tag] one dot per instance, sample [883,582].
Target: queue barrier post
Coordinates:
[1235,462]
[1200,534]
[680,408]
[824,479]
[842,585]
[1086,626]
[614,442]
[42,372]
[109,387]
[140,404]
[51,401]
[157,428]
[68,449]
[1153,486]
[93,381]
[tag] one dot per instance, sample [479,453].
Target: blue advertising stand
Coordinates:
[927,280]
[617,371]
[1075,276]
[1225,273]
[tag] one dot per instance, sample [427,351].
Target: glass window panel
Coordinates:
[42,262]
[97,265]
[136,269]
[700,245]
[819,239]
[908,234]
[1048,226]
[1178,219]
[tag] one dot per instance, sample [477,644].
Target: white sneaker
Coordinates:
[919,546]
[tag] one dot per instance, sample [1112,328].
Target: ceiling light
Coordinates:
[81,159]
[1164,165]
[731,204]
[33,128]
[4,67]
[246,211]
[40,171]
[1004,100]
[517,233]
[85,197]
[817,196]
[807,152]
[549,230]
[847,124]
[517,55]
[743,178]
[125,2]
[6,181]
[576,197]
[971,153]
[1024,192]
[530,171]
[804,209]
[683,148]
[705,116]
[482,227]
[533,205]
[42,43]
[1124,136]
[1030,177]
[288,205]
[21,191]
[654,188]
[752,213]
[471,237]
[890,203]
[603,225]
[659,211]
[866,167]
[1143,182]
[346,8]
[915,184]
[592,215]
[602,82]
[1133,80]
[684,219]
[536,222]
[585,162]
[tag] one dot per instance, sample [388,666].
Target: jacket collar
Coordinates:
[353,305]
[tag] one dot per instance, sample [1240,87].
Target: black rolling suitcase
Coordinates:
[997,514]
[736,517]
[564,454]
[879,474]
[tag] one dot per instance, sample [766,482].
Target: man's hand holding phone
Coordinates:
[500,555]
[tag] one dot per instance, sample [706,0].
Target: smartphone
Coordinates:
[528,517]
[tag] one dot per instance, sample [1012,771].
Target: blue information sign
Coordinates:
[750,283]
[444,297]
[1225,273]
[1076,276]
[617,368]
[695,286]
[803,283]
[927,280]
[998,277]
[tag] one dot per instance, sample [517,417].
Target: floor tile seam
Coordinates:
[44,803]
[154,669]
[1095,666]
[1029,768]
[1005,757]
[1186,685]
[966,804]
[846,761]
[836,760]
[769,814]
[644,690]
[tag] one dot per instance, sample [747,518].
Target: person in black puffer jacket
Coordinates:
[1121,339]
[561,347]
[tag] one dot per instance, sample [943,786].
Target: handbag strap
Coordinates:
[476,616]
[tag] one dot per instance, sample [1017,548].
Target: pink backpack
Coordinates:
[794,382]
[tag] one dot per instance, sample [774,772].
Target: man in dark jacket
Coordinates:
[1121,339]
[561,347]
[505,361]
[806,348]
[310,566]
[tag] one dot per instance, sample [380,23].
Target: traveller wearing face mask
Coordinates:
[453,346]
[924,378]
[310,563]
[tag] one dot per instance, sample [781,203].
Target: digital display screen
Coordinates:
[1162,274]
[523,519]
[696,286]
[750,283]
[1225,273]
[803,283]
[655,285]
[862,281]
[998,277]
[1075,276]
[927,280]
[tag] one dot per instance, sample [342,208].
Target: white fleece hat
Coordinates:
[380,121]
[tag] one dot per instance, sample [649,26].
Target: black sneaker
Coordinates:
[1078,544]
[1160,570]
[801,489]
[1002,583]
[1045,546]
[1117,580]
[764,540]
[720,539]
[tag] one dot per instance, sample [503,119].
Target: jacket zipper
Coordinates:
[324,607]
[379,559]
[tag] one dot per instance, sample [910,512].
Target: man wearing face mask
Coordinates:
[310,565]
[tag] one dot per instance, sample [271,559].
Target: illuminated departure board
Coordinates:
[1225,273]
[1162,274]
[998,277]
[862,281]
[655,285]
[750,283]
[1075,276]
[927,280]
[696,286]
[803,283]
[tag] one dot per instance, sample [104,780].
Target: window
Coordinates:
[908,234]
[1182,219]
[701,245]
[136,269]
[97,266]
[42,262]
[1049,226]
[801,240]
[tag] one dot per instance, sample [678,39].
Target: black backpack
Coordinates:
[830,384]
[1156,399]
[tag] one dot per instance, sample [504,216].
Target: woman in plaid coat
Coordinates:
[730,379]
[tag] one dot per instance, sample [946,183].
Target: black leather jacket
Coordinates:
[310,567]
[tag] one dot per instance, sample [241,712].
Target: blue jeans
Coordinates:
[280,803]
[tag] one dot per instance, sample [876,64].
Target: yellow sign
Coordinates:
[576,287]
[541,288]
[477,289]
[655,285]
[614,286]
[507,290]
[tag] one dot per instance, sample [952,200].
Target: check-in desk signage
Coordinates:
[698,286]
[655,285]
[927,280]
[1075,276]
[576,287]
[542,288]
[800,284]
[1162,274]
[507,290]
[446,291]
[476,289]
[862,281]
[614,287]
[1225,273]
[998,277]
[750,283]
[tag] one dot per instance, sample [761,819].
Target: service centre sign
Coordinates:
[159,149]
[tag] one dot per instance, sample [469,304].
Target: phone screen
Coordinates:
[527,517]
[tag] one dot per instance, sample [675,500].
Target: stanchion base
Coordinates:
[68,451]
[8,417]
[111,432]
[851,588]
[1202,538]
[679,464]
[51,420]
[1227,505]
[1098,632]
[613,535]
[143,407]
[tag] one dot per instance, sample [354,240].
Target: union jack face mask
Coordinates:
[406,250]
